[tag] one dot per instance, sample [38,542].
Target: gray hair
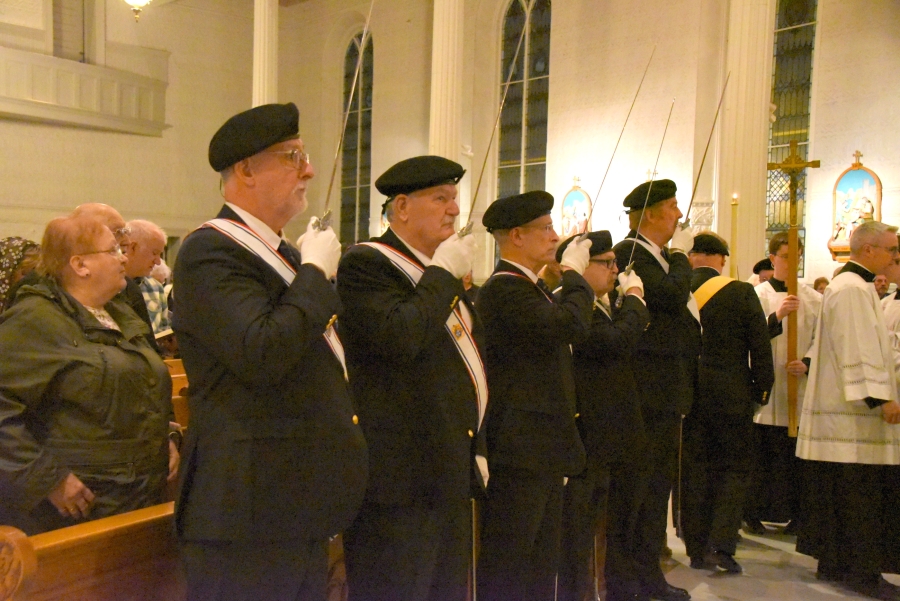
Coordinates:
[143,230]
[868,233]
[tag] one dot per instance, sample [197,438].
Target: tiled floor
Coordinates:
[773,570]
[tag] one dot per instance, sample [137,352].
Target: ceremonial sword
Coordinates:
[467,228]
[687,219]
[322,223]
[587,224]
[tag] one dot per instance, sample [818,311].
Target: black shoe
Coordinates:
[754,526]
[700,563]
[876,588]
[724,561]
[830,575]
[667,592]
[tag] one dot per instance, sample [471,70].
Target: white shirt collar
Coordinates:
[424,260]
[524,269]
[656,248]
[262,230]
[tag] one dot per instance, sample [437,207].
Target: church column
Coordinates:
[265,51]
[446,85]
[744,136]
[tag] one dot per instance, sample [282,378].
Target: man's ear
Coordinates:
[244,171]
[401,208]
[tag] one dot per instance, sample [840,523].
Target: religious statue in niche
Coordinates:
[575,209]
[857,199]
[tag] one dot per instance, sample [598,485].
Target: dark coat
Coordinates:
[416,401]
[734,329]
[673,337]
[272,452]
[609,407]
[531,415]
[78,397]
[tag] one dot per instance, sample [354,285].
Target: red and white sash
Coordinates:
[251,241]
[456,326]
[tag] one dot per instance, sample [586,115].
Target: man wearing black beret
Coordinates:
[413,346]
[274,462]
[612,430]
[735,376]
[532,438]
[664,360]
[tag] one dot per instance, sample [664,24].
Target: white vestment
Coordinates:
[852,358]
[891,306]
[775,413]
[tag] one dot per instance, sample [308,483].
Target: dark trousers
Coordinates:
[418,552]
[614,490]
[246,571]
[520,536]
[662,432]
[716,468]
[850,518]
[774,494]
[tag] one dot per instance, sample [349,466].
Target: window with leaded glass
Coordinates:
[356,154]
[795,34]
[523,122]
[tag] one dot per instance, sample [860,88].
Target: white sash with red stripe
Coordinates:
[251,241]
[456,327]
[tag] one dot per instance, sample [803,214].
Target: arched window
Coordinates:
[523,123]
[795,34]
[356,155]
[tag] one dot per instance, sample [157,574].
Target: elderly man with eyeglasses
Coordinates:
[848,436]
[274,460]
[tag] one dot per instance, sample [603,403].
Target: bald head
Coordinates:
[106,215]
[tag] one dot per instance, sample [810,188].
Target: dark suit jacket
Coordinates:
[531,416]
[416,401]
[666,355]
[734,330]
[272,452]
[609,407]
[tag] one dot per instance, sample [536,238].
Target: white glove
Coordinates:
[577,255]
[627,281]
[456,255]
[682,239]
[320,248]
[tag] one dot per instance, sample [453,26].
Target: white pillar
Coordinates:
[745,127]
[446,79]
[265,51]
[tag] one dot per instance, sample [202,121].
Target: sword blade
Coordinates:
[687,214]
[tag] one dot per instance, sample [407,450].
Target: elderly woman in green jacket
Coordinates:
[85,403]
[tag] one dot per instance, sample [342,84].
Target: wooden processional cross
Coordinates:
[793,166]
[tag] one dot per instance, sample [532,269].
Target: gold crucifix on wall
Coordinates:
[793,165]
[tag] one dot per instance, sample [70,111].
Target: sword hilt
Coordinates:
[465,230]
[621,298]
[322,223]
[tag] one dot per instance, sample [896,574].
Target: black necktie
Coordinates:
[665,253]
[288,252]
[543,287]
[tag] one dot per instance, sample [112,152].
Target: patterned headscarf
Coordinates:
[12,251]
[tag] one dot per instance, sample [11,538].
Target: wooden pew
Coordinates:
[179,391]
[128,557]
[176,367]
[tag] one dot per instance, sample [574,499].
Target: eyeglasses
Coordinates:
[608,263]
[891,249]
[115,251]
[297,157]
[547,229]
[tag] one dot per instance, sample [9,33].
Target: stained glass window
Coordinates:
[795,34]
[523,122]
[356,154]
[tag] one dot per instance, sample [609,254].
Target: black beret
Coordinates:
[252,131]
[418,173]
[601,242]
[709,244]
[513,211]
[764,265]
[660,190]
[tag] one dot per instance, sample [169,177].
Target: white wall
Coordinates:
[856,83]
[47,170]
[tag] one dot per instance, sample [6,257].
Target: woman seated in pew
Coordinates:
[85,403]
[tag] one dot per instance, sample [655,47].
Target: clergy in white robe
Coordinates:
[848,427]
[890,304]
[774,495]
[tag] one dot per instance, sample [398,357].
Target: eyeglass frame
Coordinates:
[606,262]
[115,251]
[548,228]
[301,161]
[892,250]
